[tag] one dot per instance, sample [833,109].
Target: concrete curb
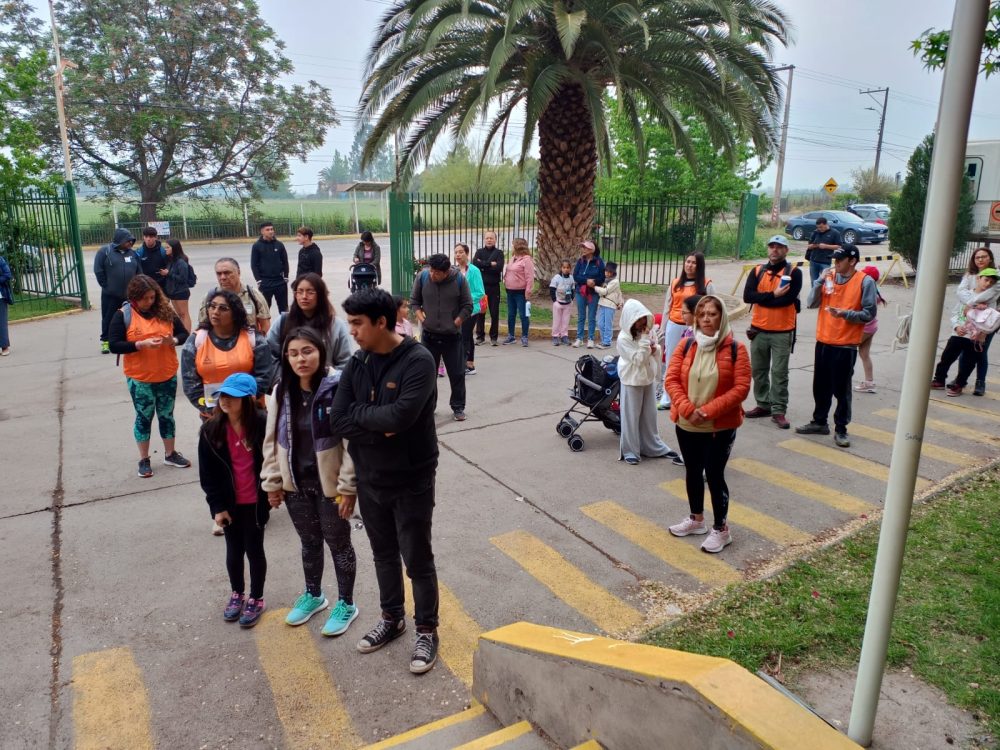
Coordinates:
[47,316]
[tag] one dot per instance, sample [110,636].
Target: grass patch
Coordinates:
[23,310]
[812,615]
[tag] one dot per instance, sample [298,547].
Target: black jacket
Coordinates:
[152,260]
[175,283]
[400,401]
[482,259]
[115,265]
[310,260]
[215,469]
[269,263]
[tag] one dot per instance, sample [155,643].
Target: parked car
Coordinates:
[874,213]
[853,229]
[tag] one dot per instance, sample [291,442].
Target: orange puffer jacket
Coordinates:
[726,408]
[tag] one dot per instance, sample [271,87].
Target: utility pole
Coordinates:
[776,203]
[881,124]
[61,65]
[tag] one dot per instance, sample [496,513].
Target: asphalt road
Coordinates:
[114,588]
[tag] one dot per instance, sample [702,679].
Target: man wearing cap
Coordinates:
[846,300]
[587,273]
[773,290]
[822,245]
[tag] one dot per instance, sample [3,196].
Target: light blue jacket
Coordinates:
[476,287]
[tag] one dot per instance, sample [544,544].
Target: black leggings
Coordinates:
[245,538]
[317,519]
[707,452]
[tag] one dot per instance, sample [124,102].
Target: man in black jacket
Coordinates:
[310,257]
[384,408]
[269,263]
[152,256]
[489,260]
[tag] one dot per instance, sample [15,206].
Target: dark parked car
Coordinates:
[871,213]
[853,229]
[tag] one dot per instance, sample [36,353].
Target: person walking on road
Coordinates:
[369,252]
[823,242]
[708,377]
[865,347]
[846,299]
[146,333]
[773,290]
[6,300]
[587,273]
[981,259]
[310,256]
[227,272]
[479,302]
[384,408]
[443,302]
[519,281]
[230,457]
[690,282]
[269,265]
[115,265]
[311,308]
[307,469]
[178,283]
[489,259]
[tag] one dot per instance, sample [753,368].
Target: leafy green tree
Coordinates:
[932,46]
[382,167]
[438,67]
[176,95]
[338,172]
[460,173]
[871,187]
[908,207]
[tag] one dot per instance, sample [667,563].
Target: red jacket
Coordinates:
[726,408]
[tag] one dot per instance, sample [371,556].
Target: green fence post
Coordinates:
[401,243]
[74,236]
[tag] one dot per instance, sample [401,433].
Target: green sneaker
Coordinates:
[305,607]
[105,347]
[340,619]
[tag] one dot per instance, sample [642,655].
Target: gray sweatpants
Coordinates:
[640,436]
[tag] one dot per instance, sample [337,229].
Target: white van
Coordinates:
[982,167]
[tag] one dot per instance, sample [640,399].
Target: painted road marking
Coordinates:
[801,486]
[498,738]
[966,410]
[474,711]
[459,632]
[110,703]
[568,582]
[927,449]
[939,425]
[661,544]
[305,698]
[843,460]
[760,523]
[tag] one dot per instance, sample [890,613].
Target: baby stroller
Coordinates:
[363,276]
[595,399]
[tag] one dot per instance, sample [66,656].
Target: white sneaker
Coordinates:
[717,541]
[688,526]
[576,344]
[590,344]
[216,529]
[865,386]
[664,402]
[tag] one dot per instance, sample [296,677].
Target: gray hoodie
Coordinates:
[115,265]
[442,301]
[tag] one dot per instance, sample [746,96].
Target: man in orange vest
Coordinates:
[846,300]
[773,289]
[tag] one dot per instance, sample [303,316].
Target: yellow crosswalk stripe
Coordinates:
[801,486]
[939,425]
[474,711]
[927,449]
[661,544]
[760,523]
[110,703]
[842,459]
[940,403]
[459,633]
[993,379]
[305,698]
[568,582]
[498,738]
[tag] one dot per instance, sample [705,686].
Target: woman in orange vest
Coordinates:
[691,281]
[145,332]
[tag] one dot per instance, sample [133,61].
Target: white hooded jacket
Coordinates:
[638,364]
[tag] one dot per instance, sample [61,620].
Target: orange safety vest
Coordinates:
[150,365]
[214,365]
[846,296]
[772,318]
[677,297]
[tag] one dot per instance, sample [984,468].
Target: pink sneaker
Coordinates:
[717,541]
[689,526]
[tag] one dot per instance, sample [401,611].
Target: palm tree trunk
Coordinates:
[566,172]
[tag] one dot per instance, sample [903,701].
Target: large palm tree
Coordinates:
[441,67]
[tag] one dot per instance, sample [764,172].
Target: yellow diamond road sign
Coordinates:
[831,186]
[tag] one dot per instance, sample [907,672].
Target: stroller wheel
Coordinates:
[575,443]
[564,428]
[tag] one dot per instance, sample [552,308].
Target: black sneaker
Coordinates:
[813,428]
[176,459]
[425,652]
[470,371]
[842,440]
[381,634]
[145,469]
[980,389]
[480,340]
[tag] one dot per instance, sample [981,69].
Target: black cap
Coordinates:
[847,251]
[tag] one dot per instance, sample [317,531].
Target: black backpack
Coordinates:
[192,278]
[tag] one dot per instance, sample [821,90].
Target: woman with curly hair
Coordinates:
[145,333]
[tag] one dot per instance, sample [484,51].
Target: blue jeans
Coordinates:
[586,311]
[815,269]
[605,321]
[516,309]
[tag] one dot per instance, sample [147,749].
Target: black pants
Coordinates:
[981,358]
[707,453]
[317,519]
[109,306]
[833,369]
[398,522]
[279,294]
[493,302]
[469,339]
[449,349]
[962,349]
[245,539]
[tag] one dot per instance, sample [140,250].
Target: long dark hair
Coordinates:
[321,320]
[215,427]
[973,268]
[176,252]
[288,381]
[235,305]
[699,274]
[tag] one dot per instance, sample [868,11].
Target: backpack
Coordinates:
[192,278]
[689,341]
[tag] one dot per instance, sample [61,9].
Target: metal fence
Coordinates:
[40,238]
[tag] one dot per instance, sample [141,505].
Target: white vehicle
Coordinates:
[982,167]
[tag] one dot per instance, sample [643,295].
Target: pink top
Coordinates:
[519,273]
[243,473]
[404,327]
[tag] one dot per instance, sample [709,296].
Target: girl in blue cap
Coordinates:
[230,457]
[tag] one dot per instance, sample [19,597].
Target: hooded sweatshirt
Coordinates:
[115,265]
[638,361]
[442,301]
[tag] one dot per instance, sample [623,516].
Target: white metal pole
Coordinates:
[246,219]
[60,110]
[776,204]
[951,134]
[114,213]
[357,227]
[184,218]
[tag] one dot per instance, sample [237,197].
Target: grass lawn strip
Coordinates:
[811,617]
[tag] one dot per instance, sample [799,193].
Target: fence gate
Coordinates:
[40,238]
[401,243]
[748,223]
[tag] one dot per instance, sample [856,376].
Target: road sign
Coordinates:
[995,215]
[831,186]
[162,228]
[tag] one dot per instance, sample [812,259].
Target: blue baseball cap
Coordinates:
[238,385]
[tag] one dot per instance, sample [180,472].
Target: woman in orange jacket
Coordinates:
[708,377]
